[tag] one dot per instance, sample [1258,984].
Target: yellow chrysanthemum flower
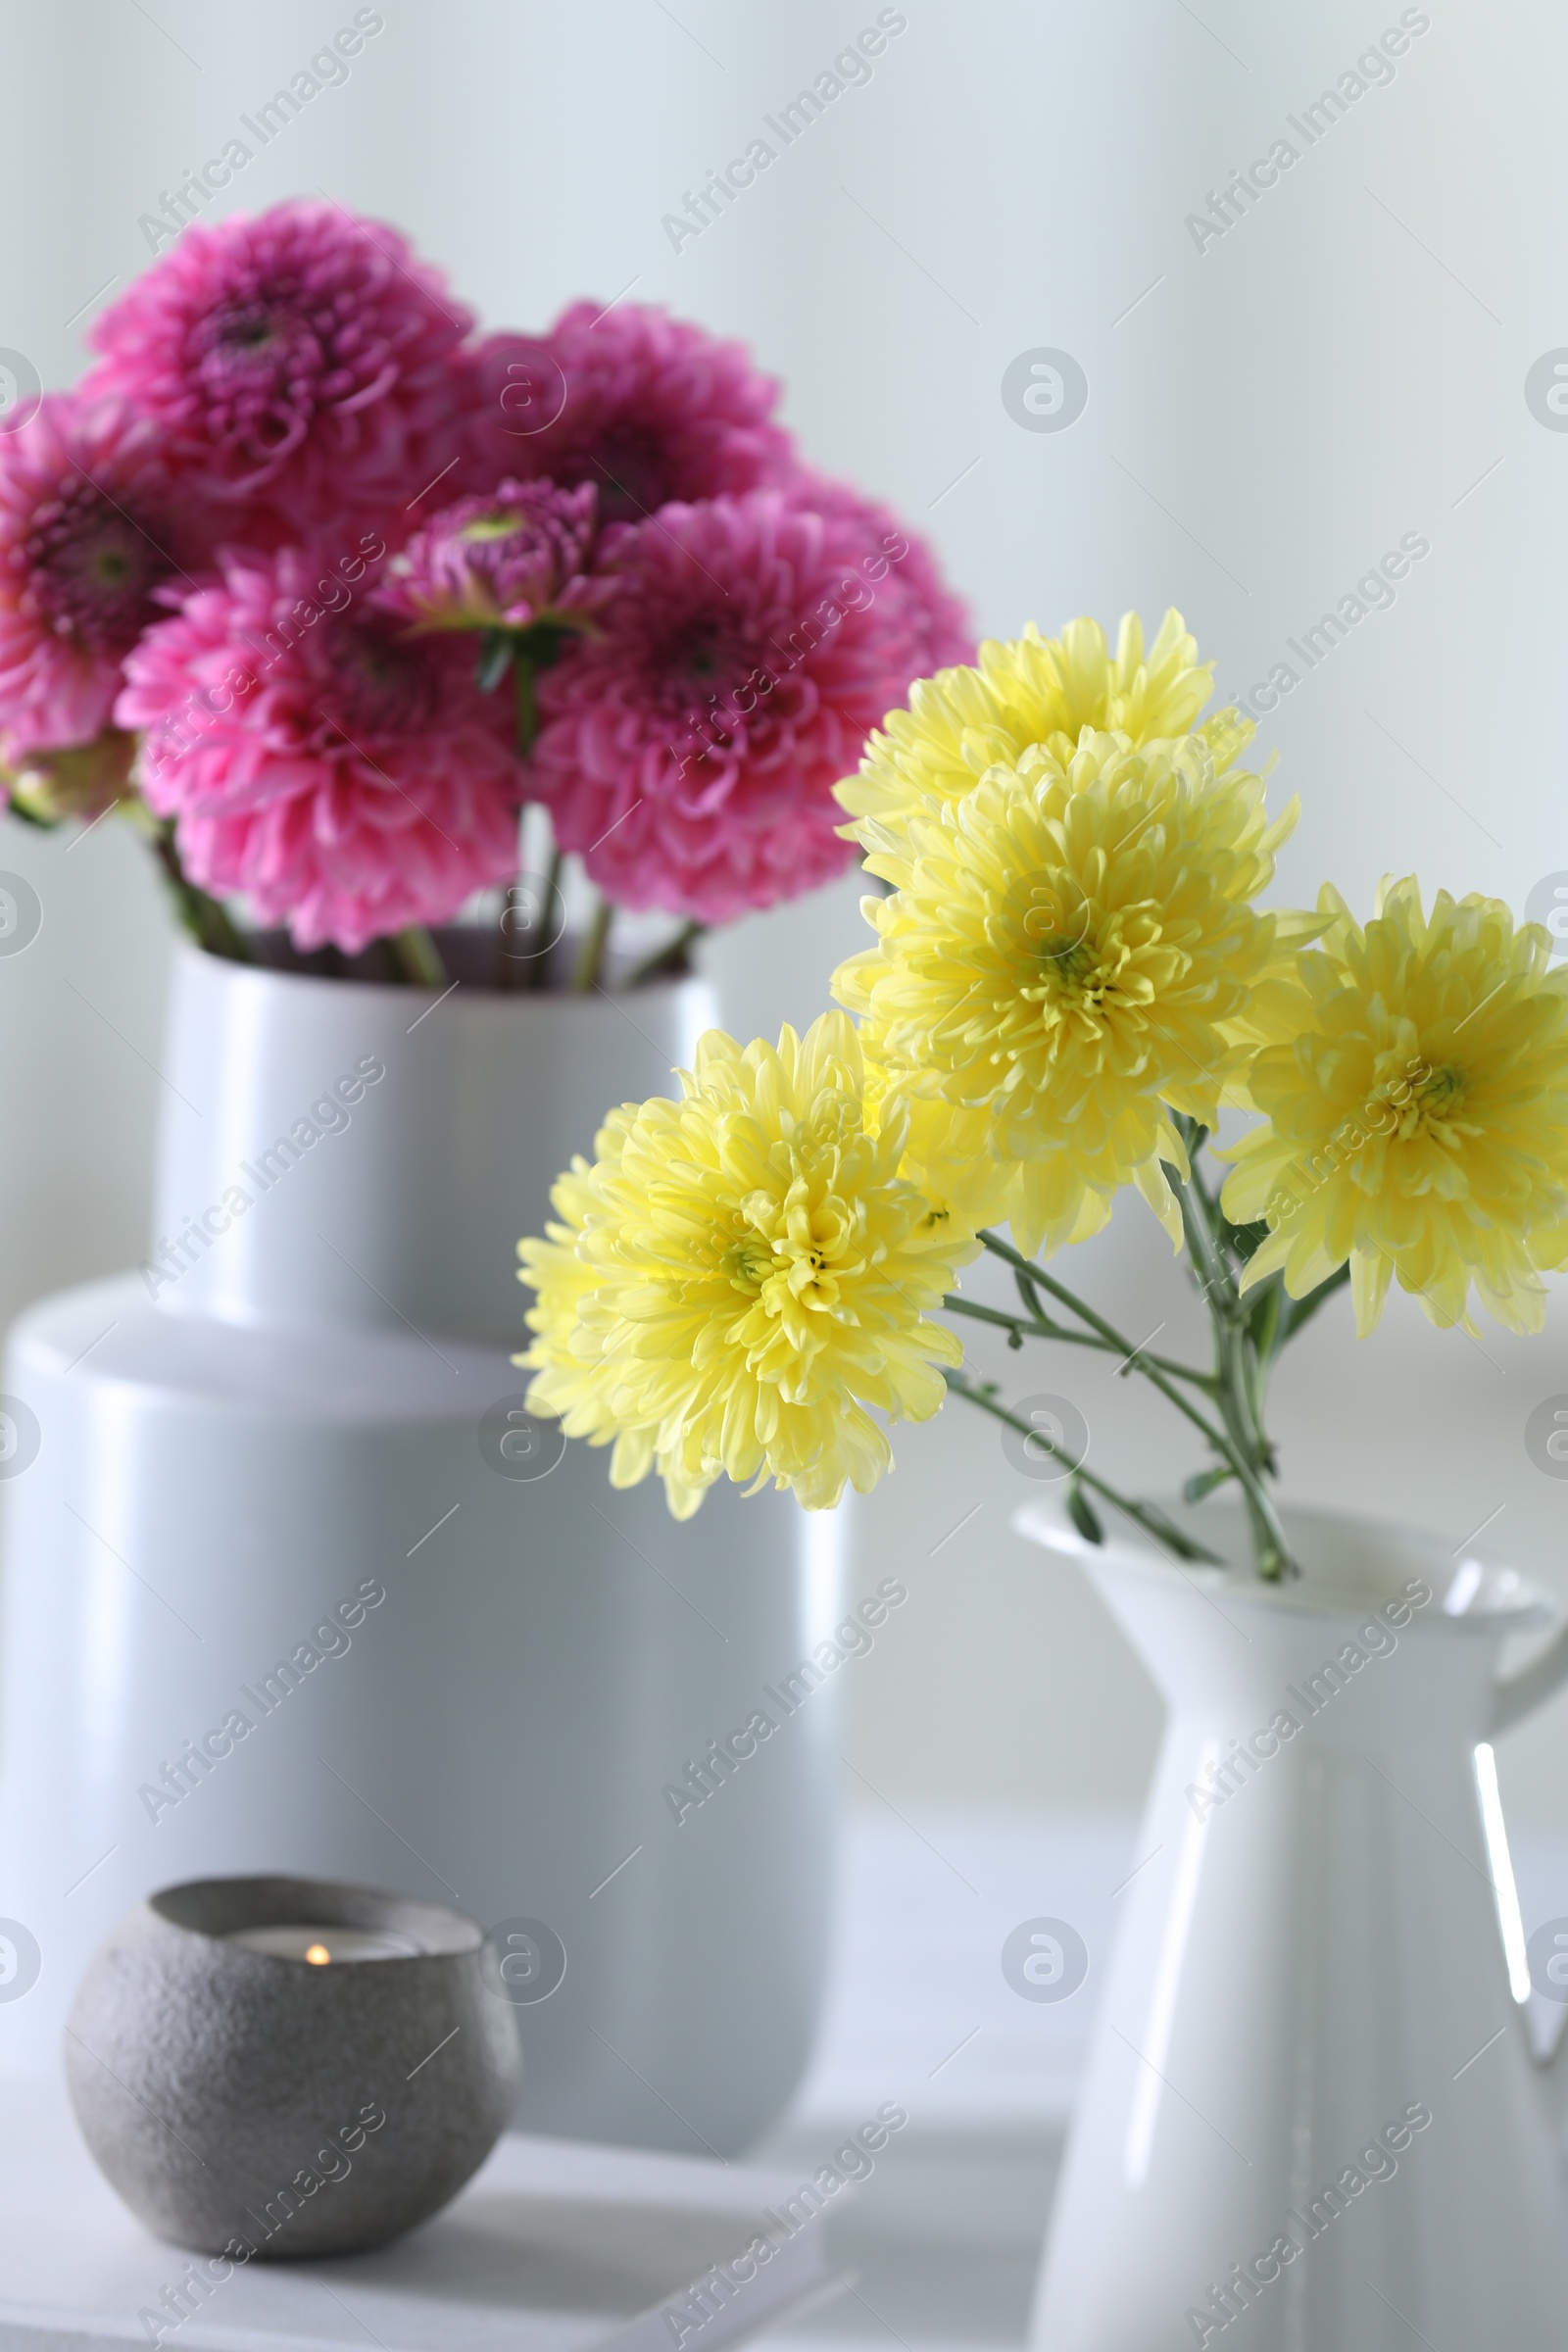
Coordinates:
[1033,690]
[1070,954]
[742,1274]
[1417,1114]
[947,1147]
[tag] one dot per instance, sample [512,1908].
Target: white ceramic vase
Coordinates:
[305,1402]
[1312,2120]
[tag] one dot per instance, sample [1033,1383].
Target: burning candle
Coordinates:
[287,2069]
[320,1945]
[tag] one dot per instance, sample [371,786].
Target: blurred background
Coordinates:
[1284,383]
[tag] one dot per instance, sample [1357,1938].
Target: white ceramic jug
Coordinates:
[1313,2120]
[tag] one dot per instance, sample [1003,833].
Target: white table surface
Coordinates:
[942,2239]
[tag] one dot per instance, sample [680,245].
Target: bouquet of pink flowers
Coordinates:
[325,590]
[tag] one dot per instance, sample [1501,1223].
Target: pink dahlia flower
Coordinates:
[301,362]
[86,536]
[645,407]
[345,779]
[502,562]
[938,618]
[688,751]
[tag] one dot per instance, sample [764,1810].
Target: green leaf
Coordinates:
[1264,1315]
[1081,1512]
[1204,1481]
[1243,1240]
[495,659]
[20,810]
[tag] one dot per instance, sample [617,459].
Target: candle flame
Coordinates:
[318,1954]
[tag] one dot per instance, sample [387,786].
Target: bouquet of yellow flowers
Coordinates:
[1071,977]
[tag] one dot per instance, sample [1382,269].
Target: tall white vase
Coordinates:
[304,1402]
[1311,2120]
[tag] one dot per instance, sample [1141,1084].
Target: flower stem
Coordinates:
[527,708]
[509,967]
[1038,1327]
[1241,1366]
[590,962]
[1109,1337]
[1153,1520]
[1235,1443]
[539,969]
[417,957]
[670,958]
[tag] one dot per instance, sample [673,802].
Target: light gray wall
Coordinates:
[1266,416]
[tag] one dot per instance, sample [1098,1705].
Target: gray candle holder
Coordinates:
[263,2107]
